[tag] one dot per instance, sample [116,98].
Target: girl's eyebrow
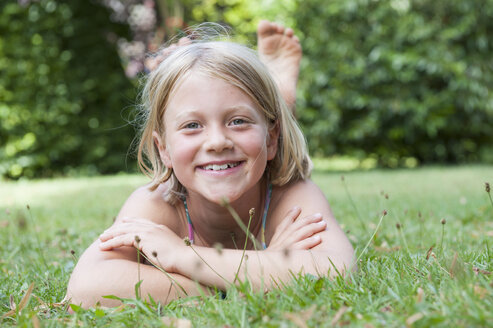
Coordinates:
[242,106]
[185,114]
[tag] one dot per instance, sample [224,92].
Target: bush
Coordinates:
[393,79]
[62,89]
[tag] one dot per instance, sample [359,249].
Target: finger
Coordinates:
[112,232]
[301,222]
[303,233]
[291,216]
[289,32]
[126,226]
[309,230]
[311,218]
[119,241]
[308,243]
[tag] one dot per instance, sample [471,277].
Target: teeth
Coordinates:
[216,167]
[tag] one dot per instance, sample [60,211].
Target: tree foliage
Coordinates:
[62,89]
[389,79]
[395,79]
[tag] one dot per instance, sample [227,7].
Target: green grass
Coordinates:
[398,283]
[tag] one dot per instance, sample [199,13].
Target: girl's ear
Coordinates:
[163,151]
[272,140]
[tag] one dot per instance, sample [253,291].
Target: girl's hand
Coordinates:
[157,242]
[298,233]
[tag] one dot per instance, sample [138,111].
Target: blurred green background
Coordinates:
[391,82]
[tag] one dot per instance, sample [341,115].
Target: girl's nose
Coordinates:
[217,140]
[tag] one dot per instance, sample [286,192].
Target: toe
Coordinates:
[265,28]
[166,51]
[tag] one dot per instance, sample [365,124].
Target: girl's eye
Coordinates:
[193,125]
[237,121]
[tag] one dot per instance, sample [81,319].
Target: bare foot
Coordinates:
[152,62]
[280,50]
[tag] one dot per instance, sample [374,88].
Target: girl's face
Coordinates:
[216,140]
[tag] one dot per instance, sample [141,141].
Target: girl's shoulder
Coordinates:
[298,190]
[303,193]
[151,205]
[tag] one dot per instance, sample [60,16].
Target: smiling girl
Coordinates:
[218,130]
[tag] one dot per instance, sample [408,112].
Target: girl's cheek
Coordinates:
[255,142]
[183,149]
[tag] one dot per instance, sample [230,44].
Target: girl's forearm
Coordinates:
[263,269]
[92,279]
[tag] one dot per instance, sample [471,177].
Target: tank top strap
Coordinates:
[264,215]
[189,221]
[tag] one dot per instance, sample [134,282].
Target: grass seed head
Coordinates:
[342,178]
[21,220]
[251,212]
[187,241]
[443,221]
[72,252]
[384,212]
[137,239]
[398,225]
[28,207]
[219,248]
[154,253]
[487,187]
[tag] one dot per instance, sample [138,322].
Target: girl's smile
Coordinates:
[224,167]
[216,140]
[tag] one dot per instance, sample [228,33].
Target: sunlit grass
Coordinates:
[416,270]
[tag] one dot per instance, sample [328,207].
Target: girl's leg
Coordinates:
[280,50]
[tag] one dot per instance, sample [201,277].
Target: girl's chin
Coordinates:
[221,193]
[222,197]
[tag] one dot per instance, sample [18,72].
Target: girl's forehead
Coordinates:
[200,90]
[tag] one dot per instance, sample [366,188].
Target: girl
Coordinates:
[217,137]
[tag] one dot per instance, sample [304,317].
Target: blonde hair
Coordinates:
[239,66]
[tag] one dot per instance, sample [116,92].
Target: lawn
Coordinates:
[429,261]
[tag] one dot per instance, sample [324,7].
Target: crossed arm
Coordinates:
[300,243]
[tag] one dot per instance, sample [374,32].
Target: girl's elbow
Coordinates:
[81,292]
[86,290]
